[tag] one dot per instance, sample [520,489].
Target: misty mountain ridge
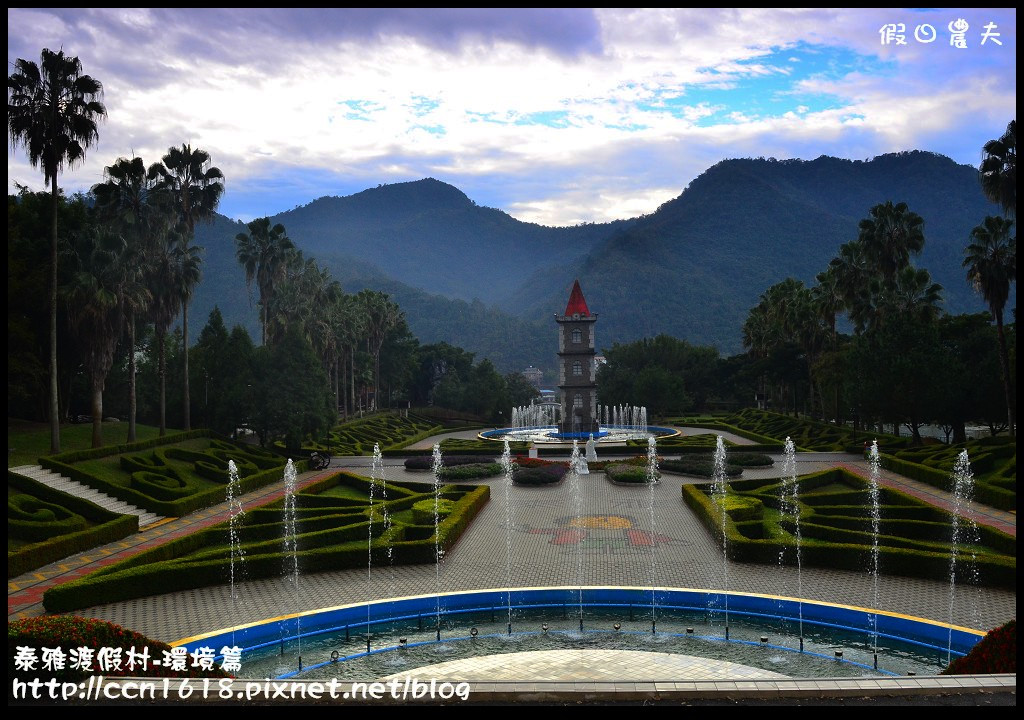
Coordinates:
[479,278]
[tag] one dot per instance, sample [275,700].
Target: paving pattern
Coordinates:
[571,666]
[544,554]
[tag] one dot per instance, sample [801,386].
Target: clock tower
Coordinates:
[577,378]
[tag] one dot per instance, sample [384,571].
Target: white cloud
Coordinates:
[533,130]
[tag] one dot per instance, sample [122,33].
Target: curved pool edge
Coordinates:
[358,614]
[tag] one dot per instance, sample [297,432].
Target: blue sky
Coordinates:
[556,116]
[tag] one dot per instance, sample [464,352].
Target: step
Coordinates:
[73,487]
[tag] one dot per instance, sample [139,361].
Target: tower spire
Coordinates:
[577,303]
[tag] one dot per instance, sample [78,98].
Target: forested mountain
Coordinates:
[478,278]
[695,267]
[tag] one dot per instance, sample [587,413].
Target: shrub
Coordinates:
[30,518]
[544,475]
[423,510]
[833,536]
[427,462]
[332,536]
[107,527]
[622,473]
[699,466]
[995,653]
[470,472]
[69,632]
[748,459]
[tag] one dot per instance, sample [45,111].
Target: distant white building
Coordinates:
[534,375]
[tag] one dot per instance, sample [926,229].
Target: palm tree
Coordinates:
[381,315]
[175,266]
[126,200]
[853,277]
[97,271]
[264,252]
[52,109]
[194,188]
[991,264]
[914,294]
[998,170]
[890,236]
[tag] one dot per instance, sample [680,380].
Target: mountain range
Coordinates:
[477,277]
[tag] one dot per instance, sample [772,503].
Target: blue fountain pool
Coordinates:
[764,632]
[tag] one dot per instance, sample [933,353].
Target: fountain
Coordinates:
[507,467]
[876,515]
[235,515]
[790,505]
[964,528]
[652,480]
[438,466]
[577,494]
[291,544]
[536,424]
[719,493]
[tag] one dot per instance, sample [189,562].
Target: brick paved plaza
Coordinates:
[686,556]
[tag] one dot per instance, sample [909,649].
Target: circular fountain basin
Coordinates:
[777,634]
[550,435]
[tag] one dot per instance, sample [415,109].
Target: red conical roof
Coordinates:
[577,304]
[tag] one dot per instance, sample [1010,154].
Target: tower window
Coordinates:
[577,368]
[577,336]
[577,401]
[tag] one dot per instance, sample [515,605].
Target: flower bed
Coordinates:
[69,633]
[996,653]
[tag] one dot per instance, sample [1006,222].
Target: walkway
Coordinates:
[572,666]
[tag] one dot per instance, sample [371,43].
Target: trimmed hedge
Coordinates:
[161,488]
[828,543]
[332,535]
[631,474]
[542,475]
[109,526]
[701,466]
[423,510]
[749,459]
[809,434]
[993,462]
[470,472]
[427,462]
[93,453]
[390,430]
[30,518]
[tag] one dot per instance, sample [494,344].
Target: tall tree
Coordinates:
[998,171]
[194,189]
[264,252]
[890,236]
[380,315]
[991,264]
[52,110]
[175,266]
[127,200]
[96,271]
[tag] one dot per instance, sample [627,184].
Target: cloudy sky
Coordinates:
[556,116]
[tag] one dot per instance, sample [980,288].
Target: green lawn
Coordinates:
[27,441]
